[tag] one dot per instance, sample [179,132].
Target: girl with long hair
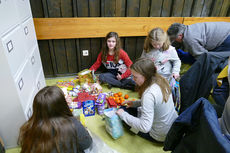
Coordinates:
[152,116]
[52,127]
[157,47]
[116,62]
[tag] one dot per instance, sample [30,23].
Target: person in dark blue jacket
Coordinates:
[197,130]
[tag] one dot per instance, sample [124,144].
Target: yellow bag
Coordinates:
[85,76]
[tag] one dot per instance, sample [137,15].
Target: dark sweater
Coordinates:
[81,141]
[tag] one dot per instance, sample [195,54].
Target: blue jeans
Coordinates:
[225,46]
[112,80]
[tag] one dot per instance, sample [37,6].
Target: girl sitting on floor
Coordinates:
[117,63]
[157,47]
[52,127]
[153,115]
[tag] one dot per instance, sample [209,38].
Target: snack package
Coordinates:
[85,76]
[101,98]
[113,123]
[88,108]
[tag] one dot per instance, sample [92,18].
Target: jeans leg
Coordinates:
[225,46]
[128,84]
[148,137]
[110,79]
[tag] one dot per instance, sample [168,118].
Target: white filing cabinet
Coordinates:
[21,73]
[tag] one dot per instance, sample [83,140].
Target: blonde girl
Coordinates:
[157,47]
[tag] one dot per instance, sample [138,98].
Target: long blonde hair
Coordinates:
[146,67]
[157,35]
[117,49]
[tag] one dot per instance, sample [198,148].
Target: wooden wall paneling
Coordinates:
[46,50]
[143,12]
[216,7]
[197,9]
[46,58]
[187,8]
[95,43]
[206,8]
[177,8]
[84,44]
[71,28]
[77,40]
[60,56]
[94,8]
[110,8]
[155,9]
[36,8]
[144,8]
[120,8]
[70,45]
[120,12]
[102,8]
[140,46]
[166,9]
[225,8]
[83,8]
[71,55]
[130,43]
[54,10]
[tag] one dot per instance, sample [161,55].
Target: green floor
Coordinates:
[128,143]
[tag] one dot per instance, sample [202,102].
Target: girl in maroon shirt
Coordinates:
[117,63]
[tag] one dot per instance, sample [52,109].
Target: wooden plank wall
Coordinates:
[64,57]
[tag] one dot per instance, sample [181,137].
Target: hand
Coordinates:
[119,77]
[119,111]
[176,76]
[128,103]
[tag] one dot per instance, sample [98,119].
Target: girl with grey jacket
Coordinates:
[154,114]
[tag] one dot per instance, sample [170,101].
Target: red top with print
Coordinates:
[122,67]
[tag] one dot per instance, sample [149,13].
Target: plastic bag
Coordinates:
[113,123]
[175,87]
[99,146]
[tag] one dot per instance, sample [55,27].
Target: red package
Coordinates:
[84,96]
[111,102]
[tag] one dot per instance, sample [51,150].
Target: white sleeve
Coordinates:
[145,121]
[143,55]
[176,62]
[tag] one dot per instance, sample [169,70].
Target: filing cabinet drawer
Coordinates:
[35,61]
[25,84]
[23,8]
[40,81]
[8,15]
[14,49]
[29,109]
[29,34]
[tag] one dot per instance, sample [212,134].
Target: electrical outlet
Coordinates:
[85,53]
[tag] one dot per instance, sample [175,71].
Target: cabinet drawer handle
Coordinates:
[26,30]
[20,84]
[38,85]
[10,46]
[32,60]
[29,113]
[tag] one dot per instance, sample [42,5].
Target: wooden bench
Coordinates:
[68,28]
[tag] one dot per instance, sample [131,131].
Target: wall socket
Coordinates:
[85,52]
